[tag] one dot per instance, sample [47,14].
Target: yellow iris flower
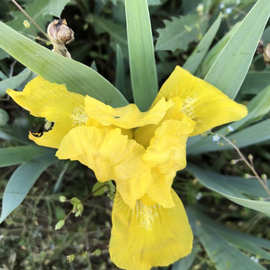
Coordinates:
[140,151]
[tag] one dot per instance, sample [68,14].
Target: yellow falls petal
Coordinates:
[53,102]
[149,235]
[84,144]
[202,102]
[53,137]
[160,190]
[112,156]
[126,117]
[48,100]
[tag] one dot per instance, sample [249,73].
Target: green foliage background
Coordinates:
[214,39]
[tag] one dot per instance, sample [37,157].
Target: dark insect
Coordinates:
[43,126]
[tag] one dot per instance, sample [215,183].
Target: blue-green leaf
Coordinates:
[56,68]
[21,182]
[186,263]
[120,71]
[243,241]
[255,81]
[236,189]
[4,117]
[18,154]
[231,66]
[251,135]
[141,53]
[221,252]
[199,53]
[15,82]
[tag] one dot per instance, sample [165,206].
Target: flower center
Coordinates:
[146,214]
[79,116]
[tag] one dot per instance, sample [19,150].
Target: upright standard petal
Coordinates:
[202,102]
[53,102]
[112,156]
[168,145]
[149,235]
[126,117]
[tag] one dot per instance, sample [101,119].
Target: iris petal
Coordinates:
[48,100]
[53,102]
[112,156]
[126,117]
[201,101]
[149,235]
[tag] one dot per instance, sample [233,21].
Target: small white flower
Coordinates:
[254,259]
[230,128]
[198,196]
[228,10]
[216,138]
[200,9]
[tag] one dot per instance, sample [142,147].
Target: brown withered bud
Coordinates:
[266,53]
[60,34]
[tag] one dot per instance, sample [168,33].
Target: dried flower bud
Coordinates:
[59,32]
[266,53]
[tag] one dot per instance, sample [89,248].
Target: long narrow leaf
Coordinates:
[231,66]
[257,108]
[141,53]
[229,240]
[186,263]
[236,189]
[199,53]
[56,68]
[120,70]
[244,241]
[15,155]
[216,50]
[15,81]
[257,133]
[255,81]
[224,255]
[21,182]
